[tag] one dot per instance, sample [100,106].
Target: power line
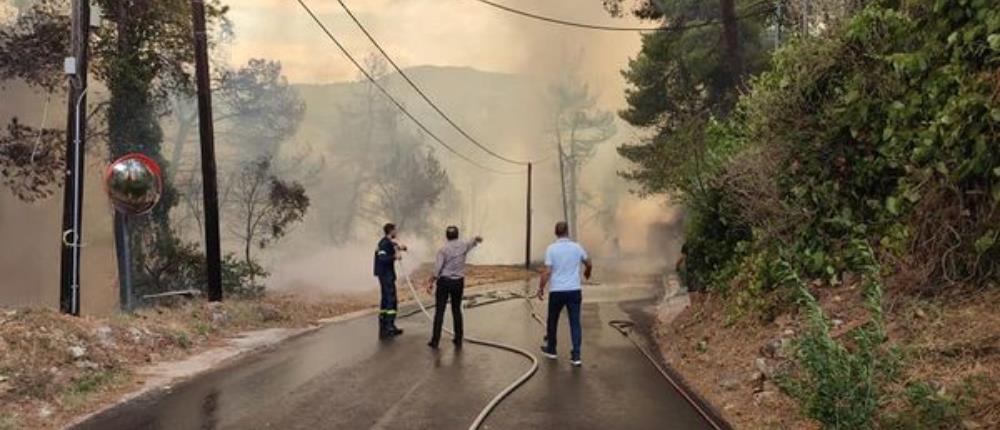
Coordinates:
[424,95]
[607,27]
[386,93]
[589,26]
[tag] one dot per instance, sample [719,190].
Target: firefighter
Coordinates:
[385,270]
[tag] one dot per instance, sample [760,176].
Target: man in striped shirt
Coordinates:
[449,276]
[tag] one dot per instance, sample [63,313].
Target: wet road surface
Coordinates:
[342,377]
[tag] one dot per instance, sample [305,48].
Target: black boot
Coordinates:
[384,329]
[393,330]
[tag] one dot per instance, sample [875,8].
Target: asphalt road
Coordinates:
[342,377]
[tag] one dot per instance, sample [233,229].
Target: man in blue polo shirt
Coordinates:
[562,272]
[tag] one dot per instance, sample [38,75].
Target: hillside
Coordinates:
[505,110]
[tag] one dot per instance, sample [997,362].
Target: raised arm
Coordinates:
[473,243]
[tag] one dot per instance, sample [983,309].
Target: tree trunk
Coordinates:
[133,126]
[731,42]
[185,123]
[562,168]
[573,186]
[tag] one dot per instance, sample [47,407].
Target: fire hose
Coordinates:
[622,326]
[506,391]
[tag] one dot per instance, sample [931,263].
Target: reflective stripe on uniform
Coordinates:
[388,311]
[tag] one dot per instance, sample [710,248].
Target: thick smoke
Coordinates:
[492,71]
[472,48]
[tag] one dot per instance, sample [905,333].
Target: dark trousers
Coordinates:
[448,289]
[572,301]
[388,305]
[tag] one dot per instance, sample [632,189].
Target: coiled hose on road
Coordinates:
[622,326]
[506,391]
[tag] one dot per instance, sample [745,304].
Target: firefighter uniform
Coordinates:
[385,271]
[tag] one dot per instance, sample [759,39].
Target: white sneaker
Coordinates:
[576,363]
[549,355]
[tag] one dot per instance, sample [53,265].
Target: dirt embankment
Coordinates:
[55,367]
[950,343]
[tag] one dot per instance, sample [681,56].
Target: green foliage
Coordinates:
[183,340]
[92,381]
[928,409]
[677,82]
[242,278]
[9,422]
[874,142]
[264,206]
[881,129]
[885,125]
[179,265]
[841,384]
[711,243]
[80,390]
[142,53]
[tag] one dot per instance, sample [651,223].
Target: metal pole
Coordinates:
[527,239]
[126,292]
[213,252]
[69,276]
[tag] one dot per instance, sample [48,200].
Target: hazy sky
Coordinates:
[434,32]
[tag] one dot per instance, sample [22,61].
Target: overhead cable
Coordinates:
[589,26]
[600,27]
[427,99]
[388,95]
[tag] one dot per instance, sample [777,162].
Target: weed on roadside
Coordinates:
[86,385]
[9,422]
[930,408]
[183,340]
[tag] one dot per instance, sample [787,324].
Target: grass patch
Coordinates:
[929,408]
[183,340]
[202,329]
[9,422]
[86,385]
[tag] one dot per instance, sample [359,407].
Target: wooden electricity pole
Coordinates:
[527,239]
[213,252]
[76,129]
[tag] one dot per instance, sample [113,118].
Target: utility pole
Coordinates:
[76,68]
[213,252]
[527,240]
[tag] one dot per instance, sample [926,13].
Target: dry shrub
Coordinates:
[947,222]
[749,186]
